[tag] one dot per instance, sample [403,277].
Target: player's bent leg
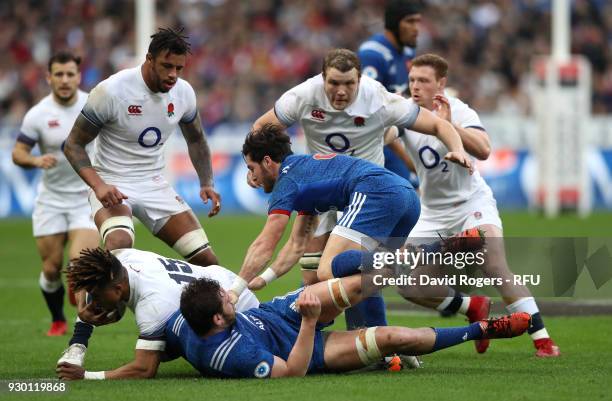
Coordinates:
[335,245]
[80,239]
[51,250]
[186,236]
[116,227]
[311,259]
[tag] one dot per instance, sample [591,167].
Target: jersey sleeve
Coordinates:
[152,335]
[99,107]
[399,111]
[466,117]
[245,360]
[29,132]
[282,198]
[372,64]
[191,109]
[287,107]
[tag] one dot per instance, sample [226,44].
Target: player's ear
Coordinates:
[149,58]
[442,83]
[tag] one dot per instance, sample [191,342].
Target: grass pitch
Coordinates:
[508,371]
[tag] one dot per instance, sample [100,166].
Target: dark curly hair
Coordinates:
[200,301]
[94,269]
[270,140]
[169,39]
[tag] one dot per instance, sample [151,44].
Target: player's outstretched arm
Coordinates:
[428,123]
[144,366]
[301,233]
[260,251]
[199,153]
[299,358]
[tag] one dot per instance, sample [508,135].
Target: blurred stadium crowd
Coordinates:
[246,53]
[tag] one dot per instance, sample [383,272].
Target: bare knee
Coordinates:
[205,258]
[52,269]
[118,240]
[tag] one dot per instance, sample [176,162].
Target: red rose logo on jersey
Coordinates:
[170,109]
[318,114]
[134,110]
[359,121]
[53,123]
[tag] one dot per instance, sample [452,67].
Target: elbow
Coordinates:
[483,153]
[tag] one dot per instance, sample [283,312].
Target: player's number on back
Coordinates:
[150,137]
[339,143]
[173,265]
[434,161]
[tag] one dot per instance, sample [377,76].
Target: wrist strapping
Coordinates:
[94,375]
[239,285]
[268,275]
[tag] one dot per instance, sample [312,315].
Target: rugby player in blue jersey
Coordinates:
[284,337]
[380,208]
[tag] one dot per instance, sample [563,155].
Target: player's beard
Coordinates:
[229,318]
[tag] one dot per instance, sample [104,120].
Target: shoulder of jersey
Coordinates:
[42,106]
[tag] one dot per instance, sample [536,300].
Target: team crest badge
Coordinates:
[477,215]
[170,109]
[359,121]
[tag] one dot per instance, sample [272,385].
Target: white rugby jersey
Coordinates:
[135,122]
[444,183]
[156,283]
[48,123]
[357,130]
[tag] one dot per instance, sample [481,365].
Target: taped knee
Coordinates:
[310,261]
[338,294]
[366,346]
[117,223]
[192,243]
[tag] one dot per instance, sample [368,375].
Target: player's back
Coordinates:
[156,283]
[135,122]
[322,182]
[247,348]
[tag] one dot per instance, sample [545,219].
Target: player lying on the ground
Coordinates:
[147,283]
[284,338]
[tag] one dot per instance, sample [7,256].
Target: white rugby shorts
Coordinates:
[151,199]
[56,213]
[481,209]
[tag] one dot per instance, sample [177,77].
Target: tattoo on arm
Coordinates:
[199,152]
[81,134]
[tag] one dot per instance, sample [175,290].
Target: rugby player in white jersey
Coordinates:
[61,212]
[453,200]
[131,115]
[343,112]
[150,285]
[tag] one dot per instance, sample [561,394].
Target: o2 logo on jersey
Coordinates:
[431,159]
[338,143]
[262,370]
[150,137]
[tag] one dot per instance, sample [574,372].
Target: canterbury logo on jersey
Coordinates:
[53,123]
[134,109]
[318,114]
